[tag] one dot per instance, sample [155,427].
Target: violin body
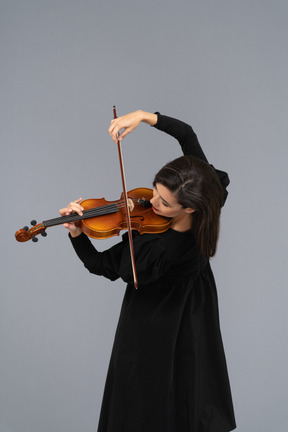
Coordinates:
[142,217]
[103,219]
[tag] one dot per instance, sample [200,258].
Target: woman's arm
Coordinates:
[183,133]
[189,143]
[176,128]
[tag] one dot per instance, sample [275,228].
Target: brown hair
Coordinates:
[196,185]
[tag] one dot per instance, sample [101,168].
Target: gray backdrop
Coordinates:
[220,66]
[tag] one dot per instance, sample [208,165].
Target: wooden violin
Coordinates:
[103,219]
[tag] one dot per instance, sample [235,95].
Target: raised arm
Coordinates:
[181,131]
[189,143]
[184,133]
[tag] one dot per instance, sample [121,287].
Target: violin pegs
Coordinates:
[43,233]
[26,228]
[33,222]
[34,239]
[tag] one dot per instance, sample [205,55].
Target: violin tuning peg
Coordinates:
[33,222]
[26,228]
[34,239]
[43,233]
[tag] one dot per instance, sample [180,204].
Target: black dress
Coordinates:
[167,371]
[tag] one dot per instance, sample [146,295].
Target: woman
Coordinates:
[167,371]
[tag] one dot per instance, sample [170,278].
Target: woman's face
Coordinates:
[164,202]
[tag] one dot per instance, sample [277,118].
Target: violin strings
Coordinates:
[107,209]
[87,214]
[119,205]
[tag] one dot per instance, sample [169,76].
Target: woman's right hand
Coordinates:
[129,122]
[75,207]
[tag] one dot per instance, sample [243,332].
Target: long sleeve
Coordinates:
[189,143]
[183,133]
[152,260]
[101,263]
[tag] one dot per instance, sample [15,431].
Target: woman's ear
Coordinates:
[189,210]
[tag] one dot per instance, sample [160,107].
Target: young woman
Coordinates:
[167,371]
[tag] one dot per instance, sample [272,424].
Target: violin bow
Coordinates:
[126,207]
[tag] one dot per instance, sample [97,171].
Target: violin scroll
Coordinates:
[25,234]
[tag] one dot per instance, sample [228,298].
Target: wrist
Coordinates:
[75,232]
[148,118]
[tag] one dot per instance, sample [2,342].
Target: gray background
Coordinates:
[220,66]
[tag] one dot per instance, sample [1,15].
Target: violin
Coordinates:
[102,219]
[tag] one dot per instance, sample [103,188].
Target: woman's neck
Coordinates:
[182,222]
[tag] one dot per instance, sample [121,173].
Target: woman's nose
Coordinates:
[154,198]
[154,201]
